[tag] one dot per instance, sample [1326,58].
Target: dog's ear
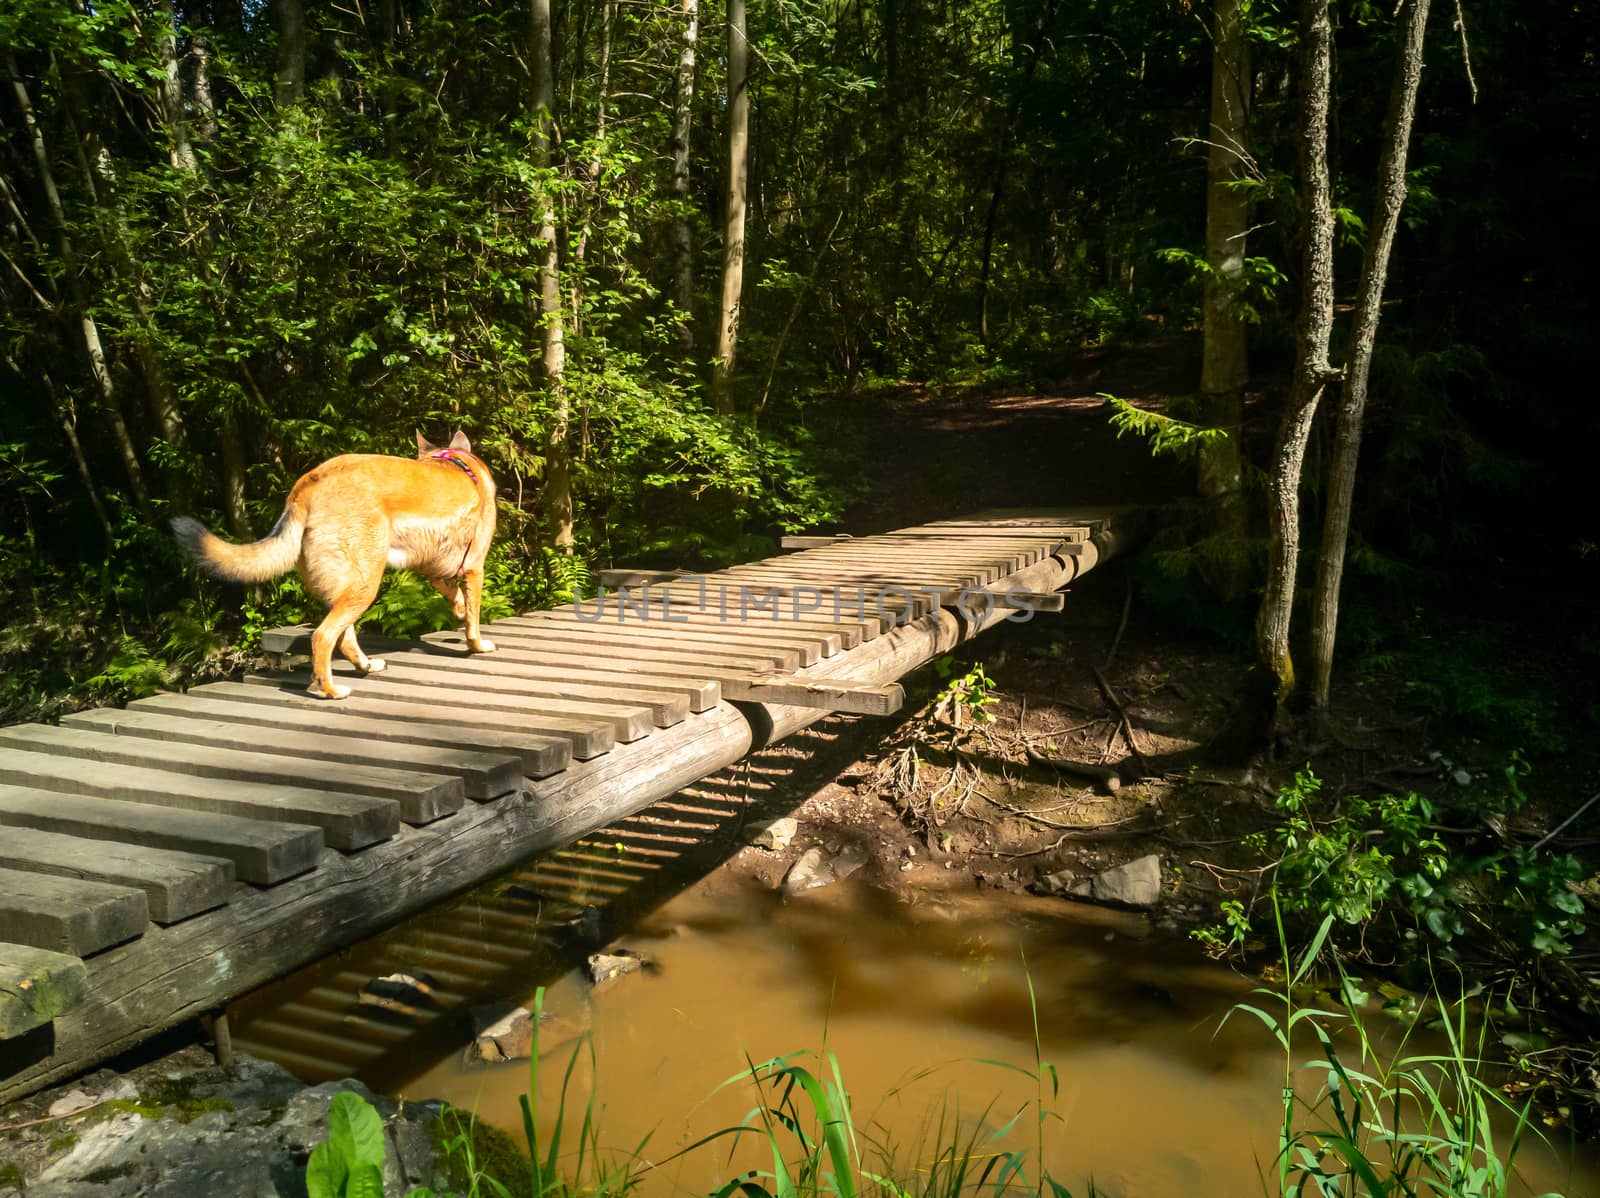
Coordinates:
[423,448]
[459,441]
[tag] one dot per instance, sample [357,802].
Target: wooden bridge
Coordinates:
[158,862]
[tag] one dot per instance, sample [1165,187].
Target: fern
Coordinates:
[1167,436]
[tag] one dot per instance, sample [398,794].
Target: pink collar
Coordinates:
[453,457]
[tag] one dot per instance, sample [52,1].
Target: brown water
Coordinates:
[1157,1097]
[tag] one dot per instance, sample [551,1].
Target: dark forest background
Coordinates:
[237,238]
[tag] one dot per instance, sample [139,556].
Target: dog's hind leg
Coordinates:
[351,648]
[345,568]
[448,588]
[472,595]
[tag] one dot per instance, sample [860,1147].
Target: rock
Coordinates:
[503,1032]
[816,868]
[400,992]
[70,1103]
[122,1088]
[1461,778]
[605,966]
[774,835]
[254,1150]
[1136,884]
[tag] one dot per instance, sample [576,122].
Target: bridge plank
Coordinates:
[421,798]
[627,722]
[483,775]
[597,647]
[847,599]
[585,737]
[699,690]
[652,605]
[784,651]
[347,821]
[68,915]
[176,885]
[262,853]
[665,709]
[37,986]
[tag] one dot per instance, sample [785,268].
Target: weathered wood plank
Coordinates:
[586,736]
[347,821]
[597,648]
[881,580]
[176,885]
[68,915]
[654,606]
[861,698]
[664,709]
[627,722]
[37,986]
[262,853]
[421,798]
[537,756]
[699,689]
[795,648]
[484,775]
[652,630]
[171,974]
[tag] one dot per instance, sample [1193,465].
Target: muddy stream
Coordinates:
[918,992]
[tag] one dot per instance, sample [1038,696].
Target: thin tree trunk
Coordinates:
[682,123]
[163,400]
[557,495]
[738,188]
[580,248]
[205,105]
[66,415]
[1313,329]
[1225,366]
[89,330]
[290,16]
[179,152]
[1369,302]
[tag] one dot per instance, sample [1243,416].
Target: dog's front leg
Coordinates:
[472,597]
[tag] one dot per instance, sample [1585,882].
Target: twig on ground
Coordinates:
[1105,775]
[1562,826]
[1122,626]
[1127,725]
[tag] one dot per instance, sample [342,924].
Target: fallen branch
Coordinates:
[1562,826]
[1105,775]
[1127,724]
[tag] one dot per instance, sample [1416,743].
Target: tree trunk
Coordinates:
[291,20]
[738,186]
[1313,328]
[66,414]
[682,122]
[1369,301]
[557,495]
[1225,367]
[205,105]
[89,330]
[179,152]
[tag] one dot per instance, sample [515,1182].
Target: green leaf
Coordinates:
[355,1130]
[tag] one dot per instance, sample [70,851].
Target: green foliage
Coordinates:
[1383,867]
[1386,1123]
[1166,435]
[965,696]
[349,1163]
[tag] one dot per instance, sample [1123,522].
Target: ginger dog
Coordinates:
[352,517]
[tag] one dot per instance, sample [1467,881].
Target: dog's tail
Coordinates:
[258,561]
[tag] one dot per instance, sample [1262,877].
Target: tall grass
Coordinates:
[1393,1124]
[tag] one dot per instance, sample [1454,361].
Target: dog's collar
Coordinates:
[451,456]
